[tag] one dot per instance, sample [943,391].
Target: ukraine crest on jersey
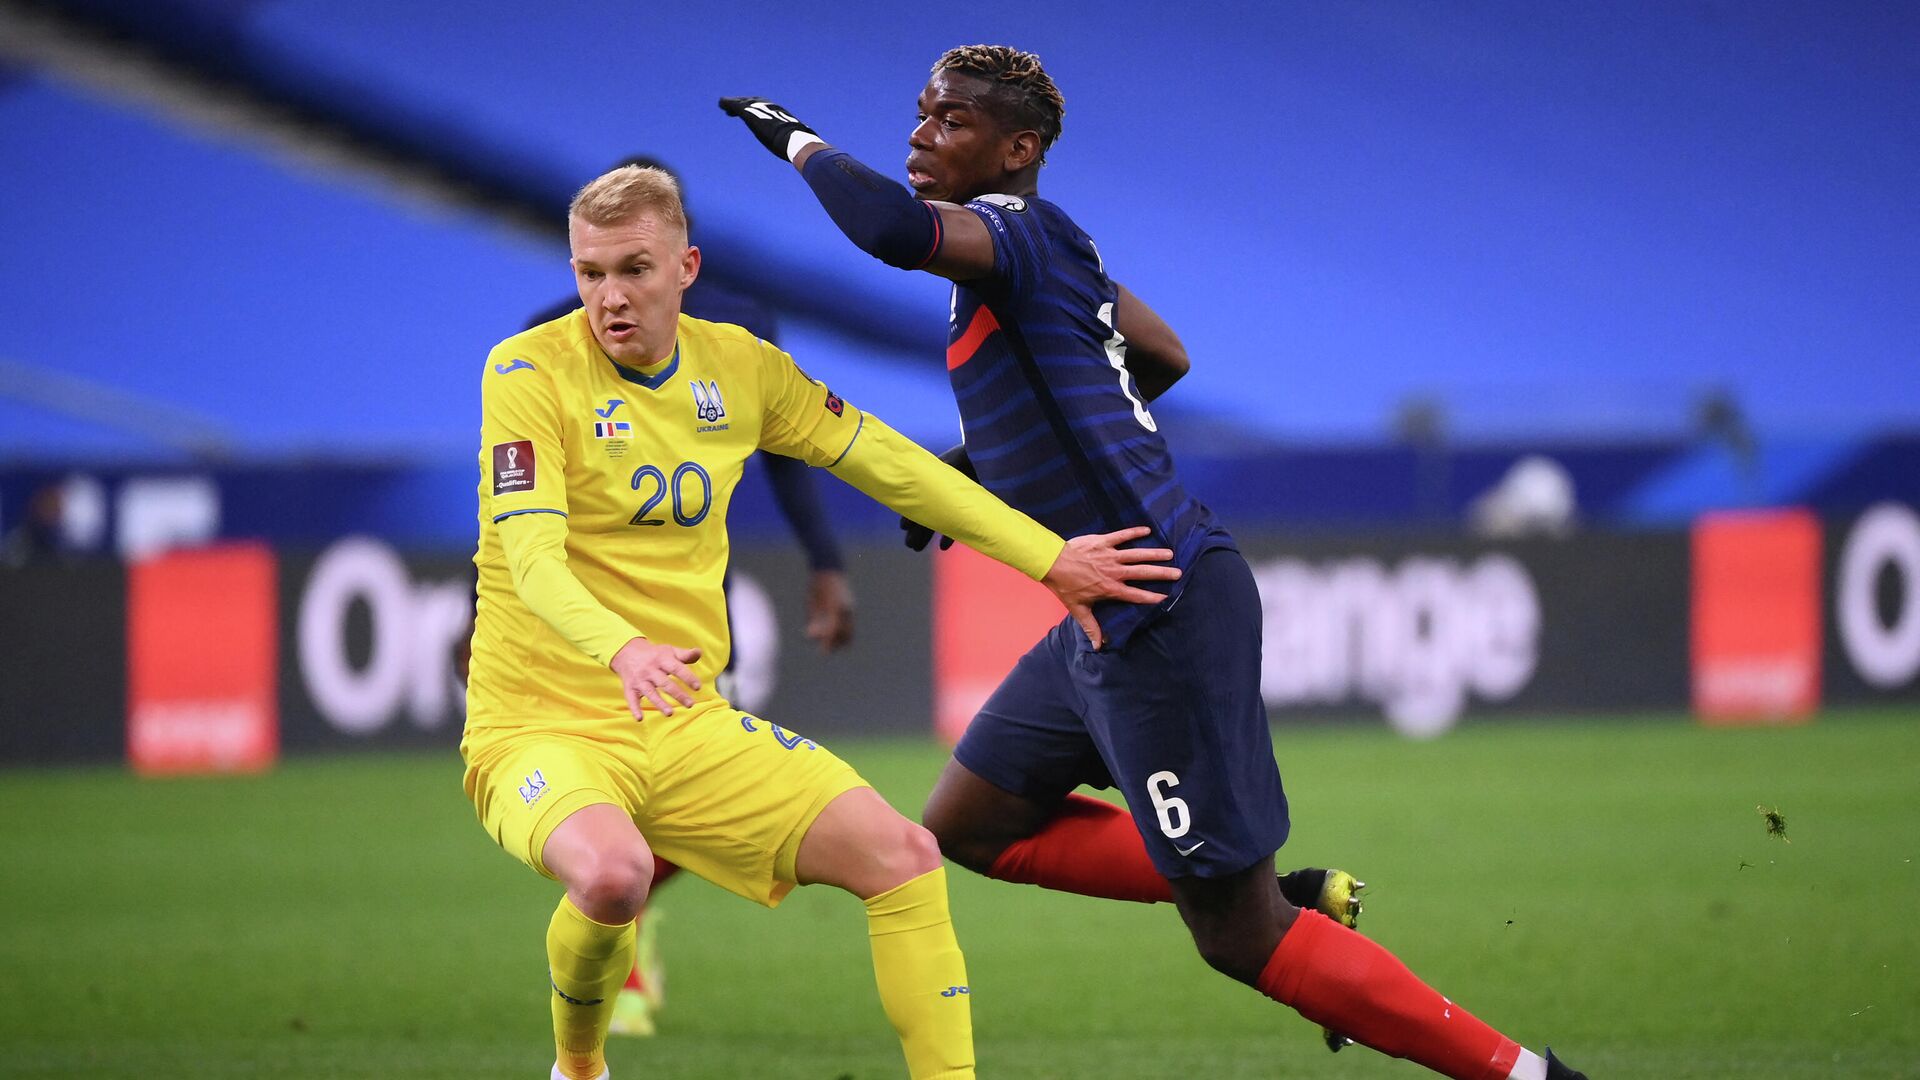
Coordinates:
[643,464]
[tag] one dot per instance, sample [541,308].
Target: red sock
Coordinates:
[1341,980]
[1091,848]
[663,872]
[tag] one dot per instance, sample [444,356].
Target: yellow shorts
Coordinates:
[724,794]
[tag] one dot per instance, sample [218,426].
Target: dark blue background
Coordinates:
[1559,223]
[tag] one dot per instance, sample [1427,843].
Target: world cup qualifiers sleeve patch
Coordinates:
[835,405]
[512,467]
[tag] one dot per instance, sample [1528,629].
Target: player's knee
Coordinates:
[614,888]
[911,852]
[921,854]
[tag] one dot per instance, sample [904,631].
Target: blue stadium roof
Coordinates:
[1546,218]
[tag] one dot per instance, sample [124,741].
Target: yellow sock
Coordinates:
[587,962]
[923,977]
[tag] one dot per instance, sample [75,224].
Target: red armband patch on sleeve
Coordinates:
[512,467]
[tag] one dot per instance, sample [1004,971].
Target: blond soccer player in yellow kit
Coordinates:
[611,441]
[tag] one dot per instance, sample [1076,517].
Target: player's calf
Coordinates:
[862,845]
[1236,920]
[1344,982]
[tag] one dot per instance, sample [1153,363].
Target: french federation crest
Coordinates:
[706,399]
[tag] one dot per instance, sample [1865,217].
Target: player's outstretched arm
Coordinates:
[918,535]
[1081,572]
[1155,358]
[878,214]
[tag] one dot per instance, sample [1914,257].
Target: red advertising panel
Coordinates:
[985,616]
[1756,616]
[202,661]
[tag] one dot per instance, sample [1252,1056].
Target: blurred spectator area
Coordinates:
[1668,248]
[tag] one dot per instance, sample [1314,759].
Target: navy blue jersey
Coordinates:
[1053,422]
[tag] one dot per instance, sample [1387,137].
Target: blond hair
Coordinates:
[616,197]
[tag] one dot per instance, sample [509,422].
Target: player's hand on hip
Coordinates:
[1095,567]
[776,128]
[829,609]
[655,673]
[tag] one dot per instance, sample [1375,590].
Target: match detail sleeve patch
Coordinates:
[513,467]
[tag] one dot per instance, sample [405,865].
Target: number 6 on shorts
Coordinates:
[1174,819]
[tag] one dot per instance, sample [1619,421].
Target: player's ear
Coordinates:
[689,267]
[1023,149]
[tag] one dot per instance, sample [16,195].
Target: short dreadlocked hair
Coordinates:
[1020,93]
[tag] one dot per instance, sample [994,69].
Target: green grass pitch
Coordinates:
[1606,887]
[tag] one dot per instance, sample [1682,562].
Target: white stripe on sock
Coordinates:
[1529,1066]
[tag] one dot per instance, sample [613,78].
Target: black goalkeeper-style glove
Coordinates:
[774,126]
[918,534]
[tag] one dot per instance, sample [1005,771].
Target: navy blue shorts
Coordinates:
[1174,720]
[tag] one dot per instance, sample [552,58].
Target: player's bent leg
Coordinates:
[861,844]
[976,822]
[1082,845]
[1003,806]
[1236,920]
[606,866]
[601,858]
[1225,913]
[1340,980]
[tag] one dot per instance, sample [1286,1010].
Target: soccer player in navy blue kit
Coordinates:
[1052,365]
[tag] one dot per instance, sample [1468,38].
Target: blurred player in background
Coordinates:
[1052,364]
[612,441]
[829,597]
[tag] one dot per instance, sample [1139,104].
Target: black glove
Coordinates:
[771,124]
[918,534]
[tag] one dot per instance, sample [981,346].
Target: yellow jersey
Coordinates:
[641,463]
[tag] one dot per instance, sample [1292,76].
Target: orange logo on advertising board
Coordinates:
[1756,616]
[985,617]
[202,661]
